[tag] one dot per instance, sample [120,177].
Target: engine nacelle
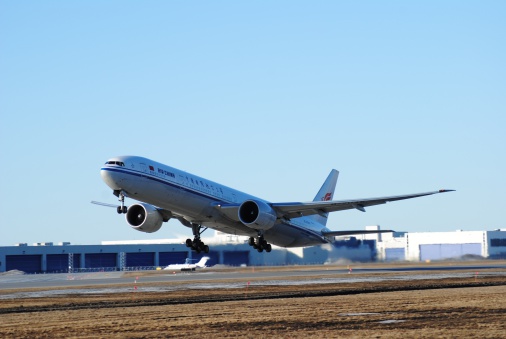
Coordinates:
[257,215]
[144,218]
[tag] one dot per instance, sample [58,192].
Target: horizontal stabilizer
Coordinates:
[338,233]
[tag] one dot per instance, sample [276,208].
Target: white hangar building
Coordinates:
[234,251]
[429,246]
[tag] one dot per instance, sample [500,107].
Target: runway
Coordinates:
[362,300]
[43,285]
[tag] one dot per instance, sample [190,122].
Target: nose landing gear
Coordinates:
[121,197]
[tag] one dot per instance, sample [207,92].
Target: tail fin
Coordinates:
[202,262]
[326,193]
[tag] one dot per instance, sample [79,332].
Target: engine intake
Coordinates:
[144,218]
[257,215]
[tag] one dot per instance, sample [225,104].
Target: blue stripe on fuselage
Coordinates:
[168,183]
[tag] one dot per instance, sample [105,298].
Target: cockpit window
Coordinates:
[119,163]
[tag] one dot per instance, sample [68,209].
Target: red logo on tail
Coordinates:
[327,197]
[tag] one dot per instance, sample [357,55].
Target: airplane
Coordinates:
[188,266]
[165,193]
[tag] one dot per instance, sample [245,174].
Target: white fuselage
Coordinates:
[187,266]
[182,267]
[194,198]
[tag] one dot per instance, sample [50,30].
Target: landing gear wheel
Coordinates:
[197,245]
[124,209]
[260,244]
[119,210]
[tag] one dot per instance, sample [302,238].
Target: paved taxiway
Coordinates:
[111,282]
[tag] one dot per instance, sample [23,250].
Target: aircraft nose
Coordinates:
[110,178]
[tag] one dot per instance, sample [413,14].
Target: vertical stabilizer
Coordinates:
[202,262]
[326,193]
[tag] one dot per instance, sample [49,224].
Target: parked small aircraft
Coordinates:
[188,266]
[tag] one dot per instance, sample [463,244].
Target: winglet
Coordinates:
[444,191]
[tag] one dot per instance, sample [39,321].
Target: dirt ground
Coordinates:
[470,307]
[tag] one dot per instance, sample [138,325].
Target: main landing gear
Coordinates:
[260,245]
[121,197]
[196,244]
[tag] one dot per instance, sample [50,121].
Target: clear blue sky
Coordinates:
[264,96]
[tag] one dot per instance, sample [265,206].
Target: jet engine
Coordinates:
[144,218]
[257,215]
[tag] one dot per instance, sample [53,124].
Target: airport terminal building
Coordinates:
[234,251]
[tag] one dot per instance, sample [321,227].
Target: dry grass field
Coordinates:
[447,308]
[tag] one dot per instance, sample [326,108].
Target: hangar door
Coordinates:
[395,254]
[25,263]
[59,263]
[99,260]
[167,258]
[447,251]
[236,258]
[136,259]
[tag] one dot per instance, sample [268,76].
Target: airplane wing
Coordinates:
[167,215]
[297,209]
[229,210]
[291,210]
